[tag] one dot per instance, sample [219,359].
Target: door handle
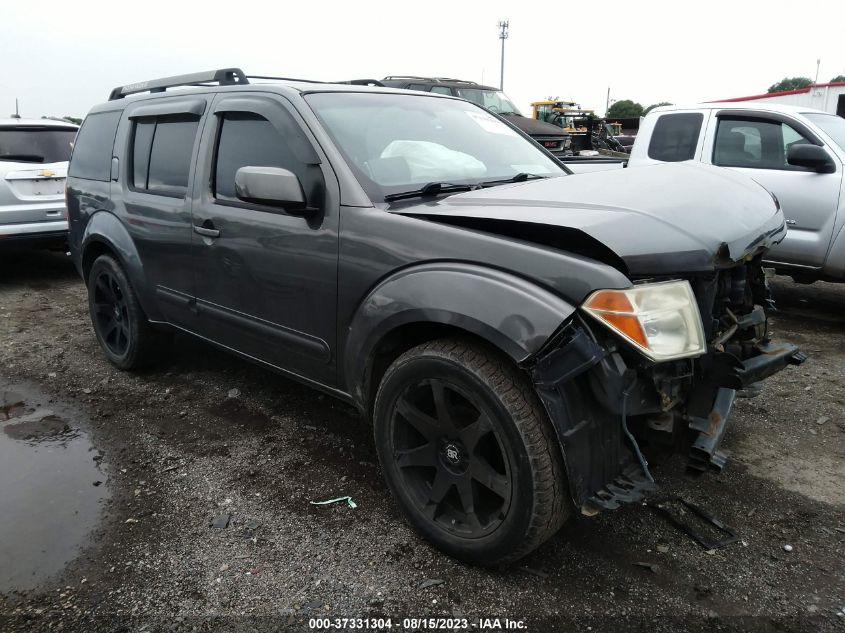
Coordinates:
[205,231]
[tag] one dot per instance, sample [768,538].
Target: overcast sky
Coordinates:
[62,58]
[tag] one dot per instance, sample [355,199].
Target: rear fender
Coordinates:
[105,230]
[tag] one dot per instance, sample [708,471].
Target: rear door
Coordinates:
[33,168]
[266,277]
[155,153]
[756,144]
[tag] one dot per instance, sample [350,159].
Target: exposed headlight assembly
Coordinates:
[661,319]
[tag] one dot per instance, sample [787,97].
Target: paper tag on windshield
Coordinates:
[489,123]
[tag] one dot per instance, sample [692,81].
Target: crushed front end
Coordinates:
[614,397]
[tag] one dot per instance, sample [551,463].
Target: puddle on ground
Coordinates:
[48,501]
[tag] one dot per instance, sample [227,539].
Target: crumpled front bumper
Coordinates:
[603,461]
[731,377]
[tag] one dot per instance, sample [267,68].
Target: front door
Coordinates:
[758,146]
[266,277]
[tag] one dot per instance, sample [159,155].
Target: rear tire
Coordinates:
[469,453]
[120,325]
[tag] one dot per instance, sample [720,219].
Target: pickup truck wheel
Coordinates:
[468,452]
[121,327]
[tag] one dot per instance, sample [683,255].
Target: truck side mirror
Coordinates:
[810,156]
[272,186]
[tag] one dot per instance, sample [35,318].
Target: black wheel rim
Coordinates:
[450,458]
[111,313]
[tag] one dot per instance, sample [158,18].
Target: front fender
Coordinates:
[104,229]
[509,312]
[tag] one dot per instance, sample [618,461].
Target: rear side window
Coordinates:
[36,144]
[162,149]
[92,151]
[675,137]
[250,140]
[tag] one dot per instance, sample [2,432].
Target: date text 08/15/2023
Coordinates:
[415,624]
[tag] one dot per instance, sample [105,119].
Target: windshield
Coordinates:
[494,100]
[397,142]
[832,125]
[36,144]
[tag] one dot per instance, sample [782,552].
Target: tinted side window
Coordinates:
[162,149]
[755,143]
[170,156]
[141,145]
[443,90]
[92,151]
[248,139]
[675,137]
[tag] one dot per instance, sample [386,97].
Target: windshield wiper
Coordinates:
[520,177]
[430,189]
[26,158]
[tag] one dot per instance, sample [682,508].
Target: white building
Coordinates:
[829,97]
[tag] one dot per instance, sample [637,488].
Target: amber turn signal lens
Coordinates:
[661,319]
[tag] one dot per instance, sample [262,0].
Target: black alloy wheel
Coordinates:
[125,335]
[451,458]
[468,452]
[111,313]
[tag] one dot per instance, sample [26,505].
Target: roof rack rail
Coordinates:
[307,81]
[222,77]
[391,77]
[457,81]
[449,79]
[362,82]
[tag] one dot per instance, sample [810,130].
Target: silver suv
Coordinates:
[34,156]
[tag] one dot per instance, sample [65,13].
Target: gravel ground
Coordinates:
[209,435]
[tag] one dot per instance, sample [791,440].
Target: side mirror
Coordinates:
[810,156]
[272,186]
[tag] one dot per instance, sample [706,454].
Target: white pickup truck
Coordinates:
[796,153]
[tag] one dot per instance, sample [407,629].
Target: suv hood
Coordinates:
[658,219]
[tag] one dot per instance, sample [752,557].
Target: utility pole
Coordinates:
[17,114]
[607,103]
[818,63]
[503,35]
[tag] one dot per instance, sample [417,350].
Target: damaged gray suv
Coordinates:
[520,337]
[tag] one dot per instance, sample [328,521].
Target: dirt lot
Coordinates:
[209,435]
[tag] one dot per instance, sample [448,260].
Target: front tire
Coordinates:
[468,452]
[122,329]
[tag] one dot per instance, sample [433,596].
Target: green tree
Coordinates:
[624,109]
[838,78]
[655,105]
[73,119]
[790,83]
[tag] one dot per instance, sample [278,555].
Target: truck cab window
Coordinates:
[675,137]
[754,143]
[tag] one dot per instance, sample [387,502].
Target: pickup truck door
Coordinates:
[265,276]
[756,143]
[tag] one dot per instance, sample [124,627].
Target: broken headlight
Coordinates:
[660,319]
